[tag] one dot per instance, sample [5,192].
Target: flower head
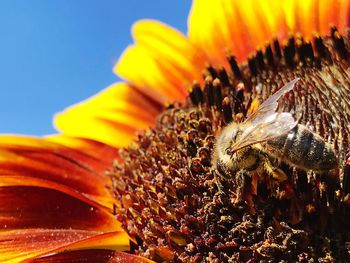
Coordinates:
[164,193]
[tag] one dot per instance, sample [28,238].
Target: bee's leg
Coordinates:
[218,183]
[275,172]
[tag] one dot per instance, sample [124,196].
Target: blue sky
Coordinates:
[55,53]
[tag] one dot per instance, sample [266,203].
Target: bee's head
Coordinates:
[227,137]
[223,155]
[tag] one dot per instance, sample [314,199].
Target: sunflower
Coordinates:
[130,176]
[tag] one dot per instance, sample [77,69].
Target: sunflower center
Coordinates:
[177,209]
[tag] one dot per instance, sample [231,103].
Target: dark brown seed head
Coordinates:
[177,208]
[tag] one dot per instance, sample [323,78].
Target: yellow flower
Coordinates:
[61,195]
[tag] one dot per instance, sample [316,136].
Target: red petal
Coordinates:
[36,158]
[16,246]
[35,207]
[86,256]
[92,148]
[93,256]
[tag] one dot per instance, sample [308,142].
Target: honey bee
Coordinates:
[267,134]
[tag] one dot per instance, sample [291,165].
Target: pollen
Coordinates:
[176,209]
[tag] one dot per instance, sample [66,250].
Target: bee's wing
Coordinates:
[272,126]
[265,124]
[270,105]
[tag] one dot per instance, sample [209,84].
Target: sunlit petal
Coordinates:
[112,116]
[161,59]
[243,26]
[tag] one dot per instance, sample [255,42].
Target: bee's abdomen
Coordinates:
[304,149]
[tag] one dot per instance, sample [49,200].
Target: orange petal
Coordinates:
[112,117]
[19,245]
[86,256]
[38,207]
[333,12]
[76,150]
[92,148]
[37,158]
[92,256]
[161,59]
[243,26]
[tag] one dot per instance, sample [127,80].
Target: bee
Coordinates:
[267,134]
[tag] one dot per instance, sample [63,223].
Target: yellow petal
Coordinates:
[243,26]
[161,59]
[113,116]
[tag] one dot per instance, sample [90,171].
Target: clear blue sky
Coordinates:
[54,53]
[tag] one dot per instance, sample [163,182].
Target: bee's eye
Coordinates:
[228,151]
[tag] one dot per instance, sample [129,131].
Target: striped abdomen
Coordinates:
[304,149]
